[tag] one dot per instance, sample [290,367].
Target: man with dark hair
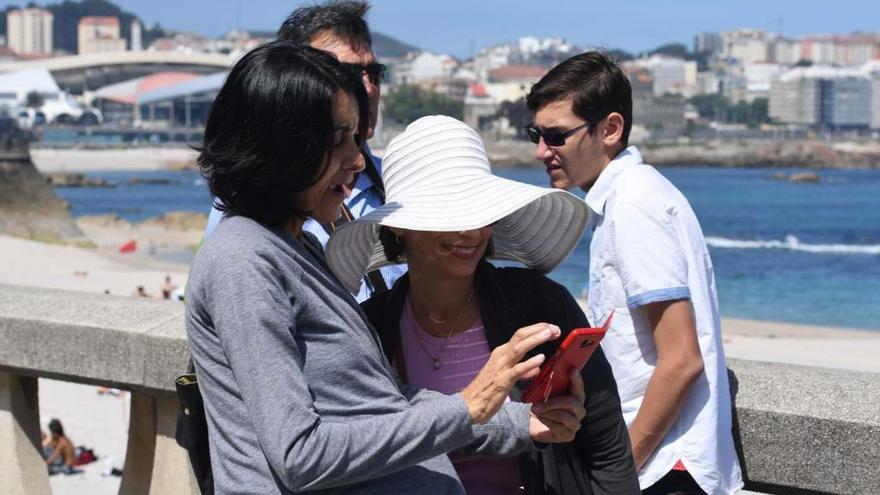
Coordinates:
[649,264]
[340,28]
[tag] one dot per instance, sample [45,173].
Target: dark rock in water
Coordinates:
[149,182]
[75,180]
[804,177]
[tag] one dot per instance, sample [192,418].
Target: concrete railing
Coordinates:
[799,429]
[132,344]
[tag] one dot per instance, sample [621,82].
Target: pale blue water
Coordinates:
[801,253]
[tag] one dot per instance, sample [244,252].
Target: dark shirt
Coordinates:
[599,460]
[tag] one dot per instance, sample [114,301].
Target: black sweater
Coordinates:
[599,460]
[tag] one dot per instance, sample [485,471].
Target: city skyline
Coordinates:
[640,27]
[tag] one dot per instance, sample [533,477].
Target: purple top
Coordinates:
[460,358]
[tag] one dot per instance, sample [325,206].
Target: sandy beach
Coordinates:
[164,249]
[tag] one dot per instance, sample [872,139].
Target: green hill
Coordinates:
[68,13]
[387,47]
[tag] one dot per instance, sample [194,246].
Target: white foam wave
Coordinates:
[792,243]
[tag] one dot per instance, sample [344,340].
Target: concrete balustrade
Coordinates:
[800,429]
[133,344]
[813,429]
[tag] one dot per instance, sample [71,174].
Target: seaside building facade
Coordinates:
[784,51]
[184,104]
[479,106]
[758,78]
[708,42]
[826,98]
[875,102]
[670,75]
[651,111]
[747,45]
[119,102]
[423,66]
[513,82]
[137,36]
[99,34]
[29,31]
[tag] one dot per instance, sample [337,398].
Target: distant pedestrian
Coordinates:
[167,288]
[58,450]
[650,265]
[141,292]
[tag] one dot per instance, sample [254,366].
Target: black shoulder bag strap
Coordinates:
[192,428]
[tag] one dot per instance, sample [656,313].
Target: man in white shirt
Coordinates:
[340,28]
[650,265]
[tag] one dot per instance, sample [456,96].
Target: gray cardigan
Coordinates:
[298,393]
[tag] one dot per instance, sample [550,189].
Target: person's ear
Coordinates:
[612,131]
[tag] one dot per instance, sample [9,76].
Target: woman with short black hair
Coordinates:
[297,391]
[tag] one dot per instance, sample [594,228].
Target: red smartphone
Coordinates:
[574,353]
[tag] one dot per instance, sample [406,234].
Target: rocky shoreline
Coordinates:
[760,153]
[812,154]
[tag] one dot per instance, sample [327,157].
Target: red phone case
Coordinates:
[574,353]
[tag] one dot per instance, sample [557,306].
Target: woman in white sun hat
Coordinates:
[445,215]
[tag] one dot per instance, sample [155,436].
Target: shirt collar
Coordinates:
[363,182]
[598,194]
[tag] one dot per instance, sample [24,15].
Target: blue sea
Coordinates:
[794,252]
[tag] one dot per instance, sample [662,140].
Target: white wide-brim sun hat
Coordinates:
[438,179]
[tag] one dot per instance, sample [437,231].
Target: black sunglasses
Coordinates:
[375,71]
[551,138]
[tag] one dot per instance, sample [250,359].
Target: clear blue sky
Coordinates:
[455,26]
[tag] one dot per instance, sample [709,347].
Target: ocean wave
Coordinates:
[792,243]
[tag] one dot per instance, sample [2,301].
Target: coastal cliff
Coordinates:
[28,206]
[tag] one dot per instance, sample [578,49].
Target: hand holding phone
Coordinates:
[574,353]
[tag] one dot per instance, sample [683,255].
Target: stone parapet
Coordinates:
[798,429]
[117,341]
[815,429]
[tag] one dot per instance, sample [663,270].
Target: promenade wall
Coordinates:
[798,429]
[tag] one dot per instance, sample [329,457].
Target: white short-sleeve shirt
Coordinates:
[647,246]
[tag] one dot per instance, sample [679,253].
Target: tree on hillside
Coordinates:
[408,103]
[676,50]
[517,114]
[716,107]
[34,100]
[712,106]
[68,13]
[620,55]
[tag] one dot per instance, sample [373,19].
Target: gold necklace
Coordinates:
[436,361]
